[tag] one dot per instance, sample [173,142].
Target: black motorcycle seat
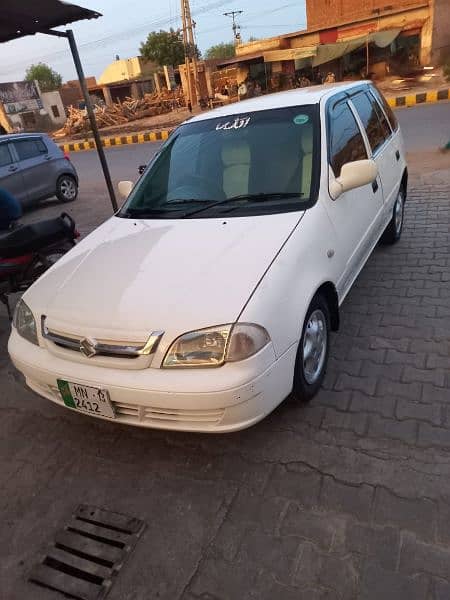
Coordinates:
[26,239]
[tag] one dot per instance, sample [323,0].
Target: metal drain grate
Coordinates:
[87,555]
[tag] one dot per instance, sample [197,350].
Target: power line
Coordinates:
[114,37]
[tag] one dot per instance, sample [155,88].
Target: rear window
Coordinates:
[387,109]
[377,128]
[30,148]
[5,155]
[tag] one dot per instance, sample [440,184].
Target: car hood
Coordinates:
[140,276]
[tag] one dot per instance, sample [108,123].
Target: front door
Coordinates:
[10,174]
[356,214]
[33,157]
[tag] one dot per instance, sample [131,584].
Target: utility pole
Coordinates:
[235,26]
[189,52]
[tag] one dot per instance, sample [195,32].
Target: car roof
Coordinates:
[308,95]
[20,136]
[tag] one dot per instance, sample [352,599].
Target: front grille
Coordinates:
[159,416]
[90,347]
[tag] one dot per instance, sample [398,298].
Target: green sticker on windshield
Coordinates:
[301,119]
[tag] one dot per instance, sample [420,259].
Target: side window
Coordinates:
[346,142]
[367,111]
[30,148]
[387,109]
[5,155]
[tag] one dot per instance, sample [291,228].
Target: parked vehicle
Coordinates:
[210,296]
[33,168]
[27,251]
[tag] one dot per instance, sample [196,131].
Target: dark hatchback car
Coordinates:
[33,168]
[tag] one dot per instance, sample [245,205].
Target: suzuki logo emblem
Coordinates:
[88,347]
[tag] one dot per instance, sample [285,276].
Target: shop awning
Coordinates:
[329,52]
[241,59]
[290,54]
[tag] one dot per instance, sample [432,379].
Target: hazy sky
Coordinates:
[126,23]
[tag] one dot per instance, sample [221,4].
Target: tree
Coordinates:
[223,50]
[47,78]
[166,48]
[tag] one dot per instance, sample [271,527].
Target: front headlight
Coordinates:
[25,323]
[214,346]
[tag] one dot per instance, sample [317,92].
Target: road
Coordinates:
[424,128]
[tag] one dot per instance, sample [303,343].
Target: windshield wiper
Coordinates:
[261,197]
[145,213]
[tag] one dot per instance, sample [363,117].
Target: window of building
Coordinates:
[5,155]
[30,148]
[55,111]
[377,130]
[346,142]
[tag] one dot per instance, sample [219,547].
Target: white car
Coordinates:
[210,296]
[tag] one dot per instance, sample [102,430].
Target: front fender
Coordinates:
[305,263]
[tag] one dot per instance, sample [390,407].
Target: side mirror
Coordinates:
[125,188]
[353,175]
[141,169]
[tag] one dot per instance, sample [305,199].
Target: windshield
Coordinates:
[254,163]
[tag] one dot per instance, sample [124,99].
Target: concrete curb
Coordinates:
[108,142]
[158,136]
[419,98]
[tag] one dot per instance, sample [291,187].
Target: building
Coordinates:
[352,39]
[25,108]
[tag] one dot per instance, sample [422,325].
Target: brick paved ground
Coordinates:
[347,498]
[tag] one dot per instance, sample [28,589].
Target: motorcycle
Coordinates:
[27,251]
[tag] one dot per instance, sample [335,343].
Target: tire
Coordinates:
[393,231]
[43,261]
[66,188]
[310,373]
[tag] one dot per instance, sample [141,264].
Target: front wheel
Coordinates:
[394,229]
[66,189]
[313,351]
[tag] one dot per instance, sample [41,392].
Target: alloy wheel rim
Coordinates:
[68,189]
[314,346]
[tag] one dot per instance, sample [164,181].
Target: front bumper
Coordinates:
[226,399]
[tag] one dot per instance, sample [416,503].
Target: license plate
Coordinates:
[93,401]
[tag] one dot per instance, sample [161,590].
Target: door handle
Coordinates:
[12,168]
[397,154]
[375,186]
[47,157]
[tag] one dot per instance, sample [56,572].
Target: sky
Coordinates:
[126,23]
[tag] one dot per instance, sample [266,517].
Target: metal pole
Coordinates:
[90,111]
[187,61]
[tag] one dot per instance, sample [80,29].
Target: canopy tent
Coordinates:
[290,54]
[28,17]
[329,52]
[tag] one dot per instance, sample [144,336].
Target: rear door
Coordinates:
[10,174]
[384,148]
[356,214]
[34,158]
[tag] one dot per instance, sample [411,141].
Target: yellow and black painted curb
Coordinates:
[419,98]
[160,136]
[109,142]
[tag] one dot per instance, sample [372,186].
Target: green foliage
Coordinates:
[223,50]
[48,79]
[166,48]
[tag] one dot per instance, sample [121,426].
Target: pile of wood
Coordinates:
[120,113]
